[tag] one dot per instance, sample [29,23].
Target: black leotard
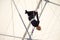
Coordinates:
[31,15]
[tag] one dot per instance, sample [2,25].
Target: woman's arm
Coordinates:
[37,16]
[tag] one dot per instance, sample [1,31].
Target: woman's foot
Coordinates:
[38,27]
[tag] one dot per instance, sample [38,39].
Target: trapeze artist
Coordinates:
[31,17]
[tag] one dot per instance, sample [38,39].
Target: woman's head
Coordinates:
[38,27]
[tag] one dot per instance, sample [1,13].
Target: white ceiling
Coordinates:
[11,24]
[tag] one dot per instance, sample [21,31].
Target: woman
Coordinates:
[31,17]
